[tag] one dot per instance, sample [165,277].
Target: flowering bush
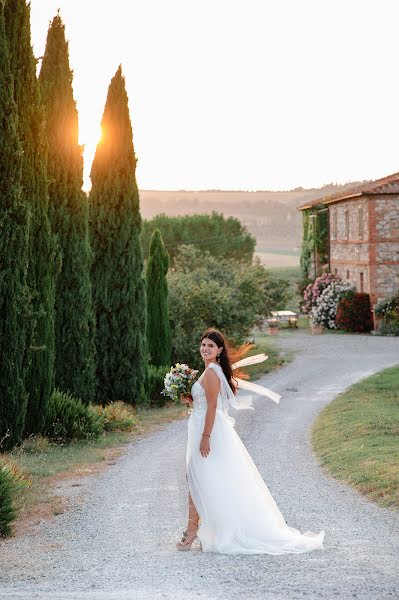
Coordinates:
[314,290]
[388,311]
[354,313]
[389,308]
[325,310]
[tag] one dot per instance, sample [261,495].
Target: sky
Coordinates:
[239,94]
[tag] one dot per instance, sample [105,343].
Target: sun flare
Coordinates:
[89,136]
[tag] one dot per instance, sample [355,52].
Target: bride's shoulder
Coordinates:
[214,367]
[211,372]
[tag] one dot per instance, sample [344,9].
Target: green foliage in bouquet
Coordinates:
[68,209]
[117,271]
[43,257]
[69,419]
[220,236]
[14,253]
[158,327]
[208,292]
[179,380]
[11,484]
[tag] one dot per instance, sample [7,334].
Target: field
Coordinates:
[273,260]
[272,217]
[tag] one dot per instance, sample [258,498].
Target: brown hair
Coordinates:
[229,355]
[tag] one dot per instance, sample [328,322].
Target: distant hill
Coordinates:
[272,217]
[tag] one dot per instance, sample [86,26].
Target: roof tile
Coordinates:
[385,185]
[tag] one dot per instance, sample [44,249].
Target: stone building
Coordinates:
[363,235]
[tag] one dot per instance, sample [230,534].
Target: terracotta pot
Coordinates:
[316,329]
[273,330]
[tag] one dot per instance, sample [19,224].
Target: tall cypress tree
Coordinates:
[68,209]
[42,252]
[14,253]
[117,272]
[158,326]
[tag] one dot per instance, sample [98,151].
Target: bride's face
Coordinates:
[209,350]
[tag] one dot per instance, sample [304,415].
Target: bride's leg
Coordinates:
[191,532]
[193,516]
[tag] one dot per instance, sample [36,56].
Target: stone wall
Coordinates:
[349,242]
[364,243]
[384,248]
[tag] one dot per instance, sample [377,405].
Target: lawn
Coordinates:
[356,437]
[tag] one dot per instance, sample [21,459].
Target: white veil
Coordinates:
[242,402]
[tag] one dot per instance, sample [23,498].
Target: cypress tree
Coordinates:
[158,327]
[42,250]
[68,209]
[117,272]
[14,252]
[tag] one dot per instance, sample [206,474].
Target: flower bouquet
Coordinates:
[179,381]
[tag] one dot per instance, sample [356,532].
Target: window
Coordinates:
[347,274]
[361,225]
[335,223]
[361,282]
[346,224]
[335,271]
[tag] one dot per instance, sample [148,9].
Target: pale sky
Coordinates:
[240,94]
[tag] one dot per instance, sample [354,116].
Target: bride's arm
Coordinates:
[211,385]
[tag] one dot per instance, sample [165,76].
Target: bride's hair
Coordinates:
[228,355]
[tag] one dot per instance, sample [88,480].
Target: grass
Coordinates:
[356,437]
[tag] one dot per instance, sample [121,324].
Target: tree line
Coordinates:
[72,290]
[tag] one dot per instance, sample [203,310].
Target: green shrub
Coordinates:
[221,293]
[388,328]
[69,419]
[11,484]
[354,313]
[117,416]
[388,311]
[155,384]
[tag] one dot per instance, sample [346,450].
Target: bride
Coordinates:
[231,510]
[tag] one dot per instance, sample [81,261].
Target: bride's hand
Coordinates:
[205,446]
[187,400]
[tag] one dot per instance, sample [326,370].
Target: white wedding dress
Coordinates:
[237,512]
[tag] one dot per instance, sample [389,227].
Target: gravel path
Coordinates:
[117,540]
